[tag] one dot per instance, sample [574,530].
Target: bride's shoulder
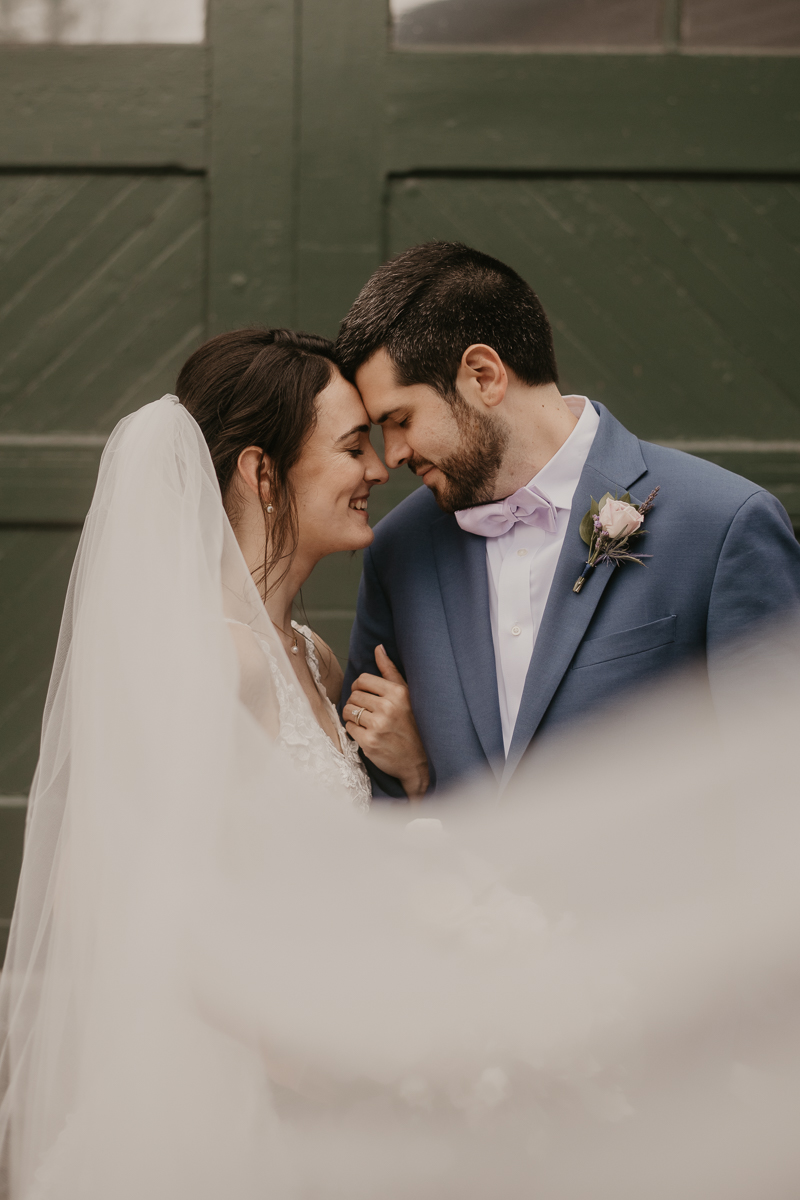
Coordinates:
[330,670]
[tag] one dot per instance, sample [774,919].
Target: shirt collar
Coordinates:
[559,478]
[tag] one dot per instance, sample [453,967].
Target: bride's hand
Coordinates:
[386,730]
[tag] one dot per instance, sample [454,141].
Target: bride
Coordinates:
[222,982]
[289,440]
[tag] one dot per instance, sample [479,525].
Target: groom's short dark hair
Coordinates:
[427,305]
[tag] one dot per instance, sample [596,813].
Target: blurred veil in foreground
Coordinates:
[222,981]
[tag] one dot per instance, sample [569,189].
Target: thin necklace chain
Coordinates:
[293,636]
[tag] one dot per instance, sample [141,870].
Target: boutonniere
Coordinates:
[608,528]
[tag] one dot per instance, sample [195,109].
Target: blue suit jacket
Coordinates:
[723,558]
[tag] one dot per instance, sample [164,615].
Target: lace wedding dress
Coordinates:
[304,740]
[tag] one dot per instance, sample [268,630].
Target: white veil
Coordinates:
[223,981]
[140,733]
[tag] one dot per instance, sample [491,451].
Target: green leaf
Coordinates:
[594,507]
[607,496]
[587,528]
[626,499]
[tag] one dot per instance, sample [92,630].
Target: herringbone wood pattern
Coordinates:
[101,294]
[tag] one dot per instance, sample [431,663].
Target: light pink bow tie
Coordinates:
[491,520]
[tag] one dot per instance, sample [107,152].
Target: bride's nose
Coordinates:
[374,470]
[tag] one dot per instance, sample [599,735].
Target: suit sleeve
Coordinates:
[373,627]
[756,588]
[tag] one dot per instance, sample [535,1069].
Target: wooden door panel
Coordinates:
[674,301]
[100,295]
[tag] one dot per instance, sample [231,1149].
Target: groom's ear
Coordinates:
[482,377]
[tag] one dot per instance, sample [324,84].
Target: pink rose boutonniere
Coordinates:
[607,529]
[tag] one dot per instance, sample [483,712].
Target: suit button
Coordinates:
[515,629]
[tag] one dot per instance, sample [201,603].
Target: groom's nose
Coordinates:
[396,449]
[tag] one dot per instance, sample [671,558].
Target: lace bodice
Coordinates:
[305,741]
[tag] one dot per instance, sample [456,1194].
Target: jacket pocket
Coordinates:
[628,641]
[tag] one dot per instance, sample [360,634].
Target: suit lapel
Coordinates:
[614,464]
[461,565]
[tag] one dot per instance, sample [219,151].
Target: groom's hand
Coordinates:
[385,728]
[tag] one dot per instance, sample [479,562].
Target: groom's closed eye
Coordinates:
[397,416]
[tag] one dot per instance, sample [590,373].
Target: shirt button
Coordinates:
[515,629]
[522,553]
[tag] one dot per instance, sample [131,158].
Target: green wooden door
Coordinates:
[153,195]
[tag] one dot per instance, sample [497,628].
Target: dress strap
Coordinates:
[311,654]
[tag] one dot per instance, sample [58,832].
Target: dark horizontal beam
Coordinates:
[772,465]
[103,106]
[50,479]
[590,112]
[47,480]
[146,106]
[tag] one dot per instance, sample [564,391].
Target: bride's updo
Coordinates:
[258,387]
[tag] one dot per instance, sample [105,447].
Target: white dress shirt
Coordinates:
[521,565]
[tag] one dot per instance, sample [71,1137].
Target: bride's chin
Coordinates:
[366,538]
[358,541]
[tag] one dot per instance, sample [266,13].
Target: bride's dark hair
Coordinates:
[258,387]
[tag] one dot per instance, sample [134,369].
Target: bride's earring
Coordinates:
[270,508]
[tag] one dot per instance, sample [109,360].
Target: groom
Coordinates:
[470,582]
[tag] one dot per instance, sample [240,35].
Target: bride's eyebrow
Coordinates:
[350,432]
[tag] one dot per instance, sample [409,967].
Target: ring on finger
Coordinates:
[357,716]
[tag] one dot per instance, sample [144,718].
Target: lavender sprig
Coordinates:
[644,509]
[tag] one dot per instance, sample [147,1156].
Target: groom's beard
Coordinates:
[470,472]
